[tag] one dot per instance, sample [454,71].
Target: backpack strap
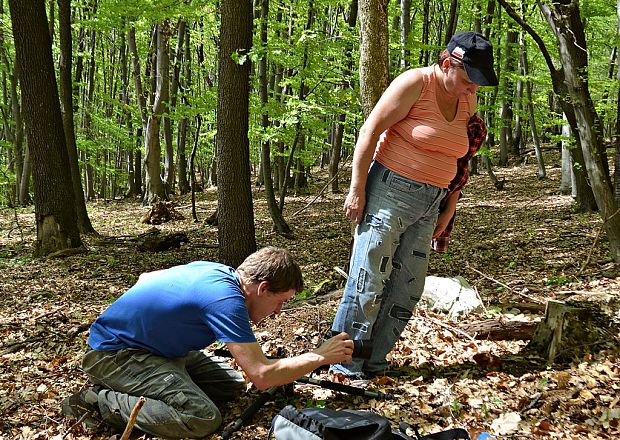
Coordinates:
[450,434]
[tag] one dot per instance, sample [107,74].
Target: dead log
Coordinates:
[159,243]
[497,329]
[581,324]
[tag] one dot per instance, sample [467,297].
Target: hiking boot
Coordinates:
[83,404]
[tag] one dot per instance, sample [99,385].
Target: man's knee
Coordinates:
[202,425]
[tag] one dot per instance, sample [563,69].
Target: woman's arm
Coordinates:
[393,106]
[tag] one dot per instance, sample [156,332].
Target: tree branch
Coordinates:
[526,27]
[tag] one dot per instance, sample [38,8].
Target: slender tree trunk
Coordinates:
[183,62]
[617,137]
[279,223]
[335,157]
[66,94]
[154,187]
[567,183]
[507,96]
[405,30]
[530,110]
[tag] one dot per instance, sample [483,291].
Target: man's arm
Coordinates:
[265,373]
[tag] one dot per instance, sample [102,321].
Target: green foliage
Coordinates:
[556,280]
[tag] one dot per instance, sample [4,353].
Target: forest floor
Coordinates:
[518,246]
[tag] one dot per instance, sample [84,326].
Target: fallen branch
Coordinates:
[500,330]
[510,289]
[72,427]
[598,233]
[320,192]
[453,329]
[132,418]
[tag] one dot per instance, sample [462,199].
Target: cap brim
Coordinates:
[481,77]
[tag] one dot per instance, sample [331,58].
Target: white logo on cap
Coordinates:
[458,52]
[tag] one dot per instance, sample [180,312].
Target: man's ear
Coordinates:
[262,287]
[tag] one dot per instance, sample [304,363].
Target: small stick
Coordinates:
[453,329]
[132,418]
[72,427]
[510,289]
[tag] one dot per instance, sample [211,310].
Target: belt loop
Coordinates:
[386,174]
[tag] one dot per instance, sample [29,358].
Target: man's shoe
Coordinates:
[83,404]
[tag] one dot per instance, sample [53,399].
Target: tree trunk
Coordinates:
[279,223]
[154,187]
[496,330]
[567,183]
[530,111]
[236,233]
[335,157]
[184,187]
[405,30]
[374,74]
[54,200]
[66,93]
[584,199]
[565,20]
[617,160]
[507,97]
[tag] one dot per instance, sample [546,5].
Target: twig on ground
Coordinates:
[320,193]
[531,298]
[132,418]
[453,329]
[598,233]
[72,427]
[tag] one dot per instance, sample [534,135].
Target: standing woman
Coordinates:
[404,168]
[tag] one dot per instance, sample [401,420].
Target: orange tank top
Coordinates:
[424,146]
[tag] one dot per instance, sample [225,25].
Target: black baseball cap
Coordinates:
[476,54]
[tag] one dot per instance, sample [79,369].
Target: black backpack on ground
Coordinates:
[347,424]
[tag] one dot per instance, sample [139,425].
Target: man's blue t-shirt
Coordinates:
[173,311]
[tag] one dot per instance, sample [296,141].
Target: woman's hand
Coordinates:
[442,223]
[354,205]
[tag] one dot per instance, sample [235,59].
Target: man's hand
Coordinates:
[336,349]
[354,205]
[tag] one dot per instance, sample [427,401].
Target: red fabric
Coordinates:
[477,133]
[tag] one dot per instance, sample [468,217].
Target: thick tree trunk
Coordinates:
[236,232]
[54,200]
[374,75]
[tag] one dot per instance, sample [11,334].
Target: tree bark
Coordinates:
[55,215]
[565,21]
[279,223]
[154,187]
[66,94]
[374,74]
[236,231]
